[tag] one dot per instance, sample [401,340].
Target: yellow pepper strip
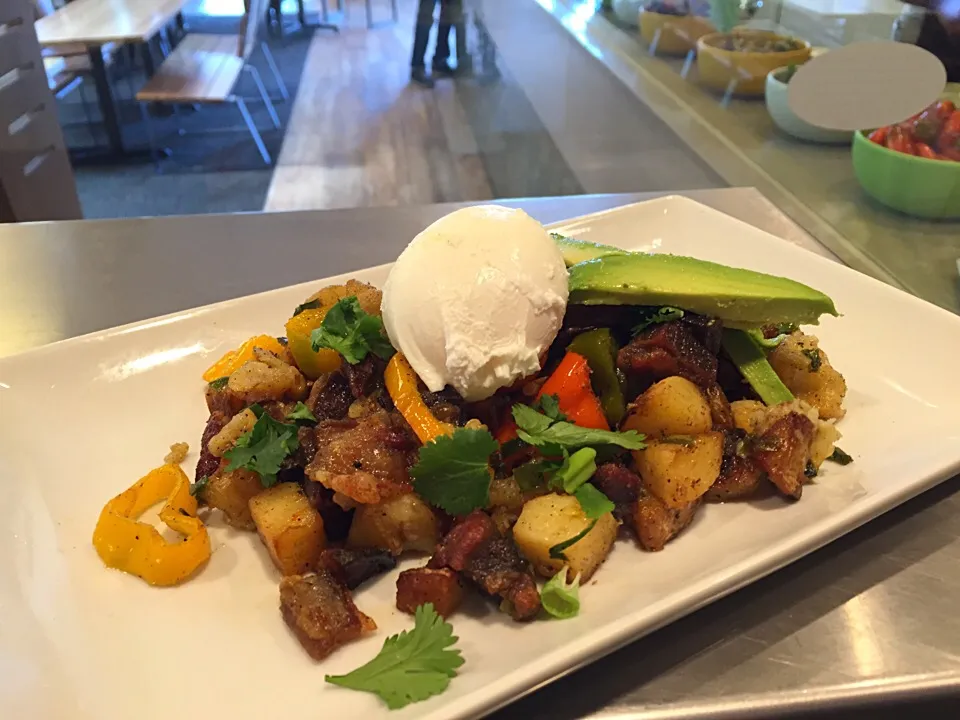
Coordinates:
[125,543]
[234,359]
[402,386]
[312,363]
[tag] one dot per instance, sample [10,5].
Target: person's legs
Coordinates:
[421,33]
[449,11]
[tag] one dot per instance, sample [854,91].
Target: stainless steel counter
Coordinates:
[856,628]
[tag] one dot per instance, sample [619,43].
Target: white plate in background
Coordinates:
[82,419]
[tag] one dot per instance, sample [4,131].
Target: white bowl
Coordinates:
[784,118]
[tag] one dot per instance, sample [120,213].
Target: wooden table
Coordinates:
[95,23]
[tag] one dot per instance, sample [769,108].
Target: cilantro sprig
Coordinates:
[264,448]
[412,666]
[654,316]
[301,413]
[352,332]
[453,471]
[549,434]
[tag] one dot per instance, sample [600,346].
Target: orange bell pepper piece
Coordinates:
[570,382]
[125,543]
[234,359]
[401,383]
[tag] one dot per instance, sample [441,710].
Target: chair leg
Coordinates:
[369,13]
[324,11]
[281,85]
[393,9]
[85,103]
[254,73]
[253,130]
[148,124]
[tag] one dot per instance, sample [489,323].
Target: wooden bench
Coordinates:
[206,68]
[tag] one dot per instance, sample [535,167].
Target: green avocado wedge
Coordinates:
[741,298]
[577,251]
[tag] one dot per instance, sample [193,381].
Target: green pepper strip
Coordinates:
[600,350]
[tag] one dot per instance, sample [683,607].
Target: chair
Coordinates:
[204,69]
[368,6]
[36,180]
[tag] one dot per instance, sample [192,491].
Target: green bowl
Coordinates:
[913,185]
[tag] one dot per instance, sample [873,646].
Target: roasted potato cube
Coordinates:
[806,370]
[441,587]
[401,523]
[679,472]
[320,611]
[747,414]
[673,406]
[289,526]
[230,491]
[656,524]
[825,437]
[551,519]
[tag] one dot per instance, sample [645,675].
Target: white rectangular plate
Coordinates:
[83,419]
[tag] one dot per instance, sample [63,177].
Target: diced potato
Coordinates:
[551,519]
[401,523]
[239,424]
[679,473]
[673,406]
[747,414]
[807,372]
[289,526]
[824,438]
[231,492]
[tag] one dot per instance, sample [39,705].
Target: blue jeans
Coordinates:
[421,34]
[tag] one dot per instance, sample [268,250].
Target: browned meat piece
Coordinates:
[366,377]
[223,401]
[720,411]
[740,477]
[499,570]
[336,520]
[442,587]
[656,524]
[319,609]
[783,450]
[330,397]
[355,566]
[621,485]
[208,463]
[464,540]
[360,460]
[668,349]
[707,330]
[490,561]
[446,405]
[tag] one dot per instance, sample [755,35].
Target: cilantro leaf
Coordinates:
[264,448]
[309,305]
[352,332]
[556,552]
[453,471]
[654,316]
[220,383]
[549,405]
[560,598]
[301,412]
[593,502]
[197,488]
[539,430]
[412,666]
[532,474]
[840,457]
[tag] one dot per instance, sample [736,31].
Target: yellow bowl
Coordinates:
[746,72]
[678,34]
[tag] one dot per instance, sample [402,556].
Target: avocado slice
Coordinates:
[741,298]
[576,251]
